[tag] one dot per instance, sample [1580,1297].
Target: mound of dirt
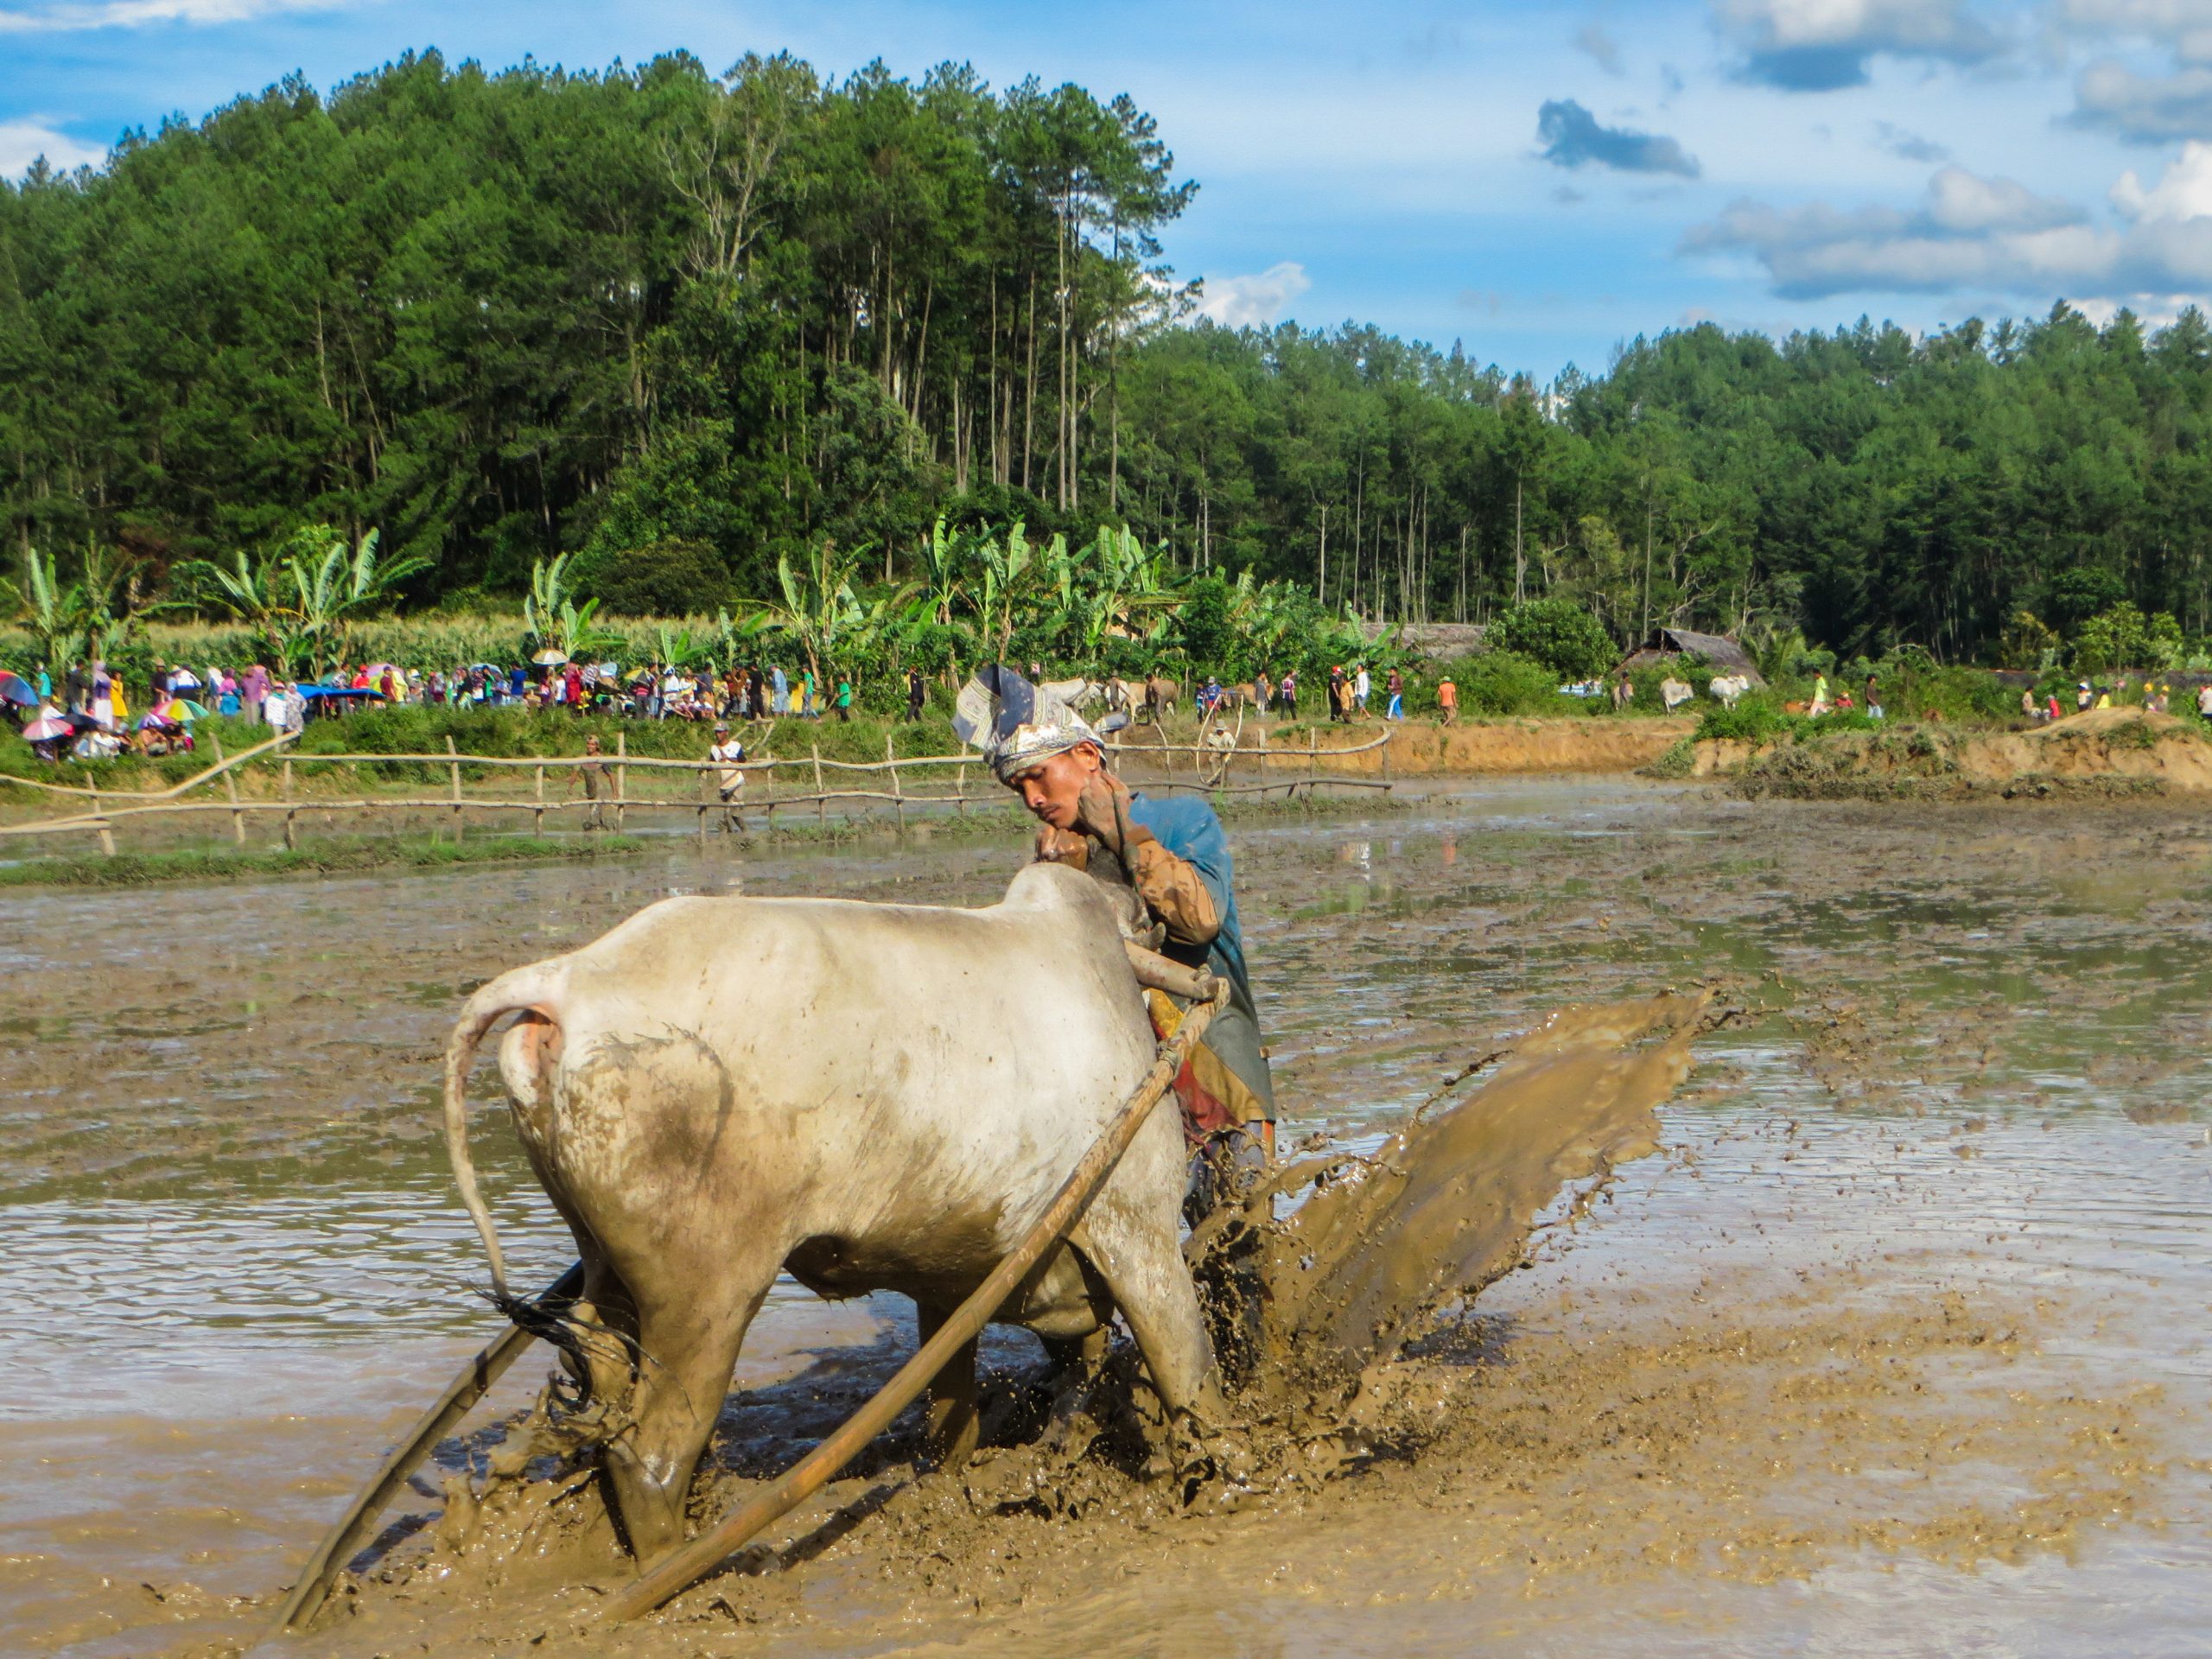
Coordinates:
[1497,746]
[2107,751]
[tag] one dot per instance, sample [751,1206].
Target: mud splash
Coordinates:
[1444,1206]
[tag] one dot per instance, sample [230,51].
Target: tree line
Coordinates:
[688,330]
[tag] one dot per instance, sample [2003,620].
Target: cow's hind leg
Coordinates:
[954,1426]
[690,1327]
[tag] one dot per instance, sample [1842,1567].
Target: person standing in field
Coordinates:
[728,754]
[1396,685]
[1447,700]
[1287,694]
[1339,692]
[917,693]
[2204,700]
[806,708]
[591,772]
[780,690]
[844,697]
[1360,686]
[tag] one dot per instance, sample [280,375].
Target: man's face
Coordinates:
[1050,788]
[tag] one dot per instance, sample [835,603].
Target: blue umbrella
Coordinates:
[14,687]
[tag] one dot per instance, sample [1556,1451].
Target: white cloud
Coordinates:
[1255,301]
[2184,191]
[2148,109]
[1815,46]
[84,15]
[1987,235]
[2183,26]
[23,142]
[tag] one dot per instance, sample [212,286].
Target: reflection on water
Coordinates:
[225,1195]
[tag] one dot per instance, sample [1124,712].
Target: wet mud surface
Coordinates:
[1897,1347]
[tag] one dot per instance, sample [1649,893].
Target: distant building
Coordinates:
[1667,645]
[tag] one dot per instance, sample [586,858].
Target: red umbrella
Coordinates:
[46,727]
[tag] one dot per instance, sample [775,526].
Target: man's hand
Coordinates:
[1062,846]
[1102,811]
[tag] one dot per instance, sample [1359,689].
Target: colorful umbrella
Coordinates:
[181,708]
[42,730]
[155,721]
[551,658]
[14,687]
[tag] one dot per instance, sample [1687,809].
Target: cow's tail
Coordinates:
[525,991]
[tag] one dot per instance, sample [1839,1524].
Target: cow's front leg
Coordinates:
[689,1328]
[954,1426]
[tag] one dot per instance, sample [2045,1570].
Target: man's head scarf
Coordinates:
[1017,724]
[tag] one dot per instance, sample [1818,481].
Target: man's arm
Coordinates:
[1174,888]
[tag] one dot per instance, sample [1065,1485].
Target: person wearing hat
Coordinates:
[728,754]
[1172,853]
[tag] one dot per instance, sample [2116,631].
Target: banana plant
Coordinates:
[552,620]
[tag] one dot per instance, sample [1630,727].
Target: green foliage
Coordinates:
[300,603]
[2123,638]
[1557,632]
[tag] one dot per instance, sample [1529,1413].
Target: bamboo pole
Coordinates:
[474,1380]
[897,794]
[821,802]
[453,769]
[106,836]
[684,1567]
[621,777]
[291,835]
[230,788]
[537,817]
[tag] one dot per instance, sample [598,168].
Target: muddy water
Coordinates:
[1900,1349]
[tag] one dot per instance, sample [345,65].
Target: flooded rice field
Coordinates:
[1899,1346]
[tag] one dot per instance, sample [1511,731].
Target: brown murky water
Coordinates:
[1901,1348]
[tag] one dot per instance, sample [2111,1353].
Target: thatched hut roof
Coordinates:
[1717,649]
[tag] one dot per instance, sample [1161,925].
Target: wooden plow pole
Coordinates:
[474,1381]
[679,1571]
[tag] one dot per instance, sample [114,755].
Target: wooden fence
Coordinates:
[1212,767]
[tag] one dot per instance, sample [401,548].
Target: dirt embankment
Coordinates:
[2109,750]
[1423,749]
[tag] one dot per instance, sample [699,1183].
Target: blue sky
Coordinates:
[1539,181]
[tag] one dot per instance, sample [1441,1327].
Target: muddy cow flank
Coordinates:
[875,1097]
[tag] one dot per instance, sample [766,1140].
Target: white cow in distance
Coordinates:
[1726,688]
[1674,693]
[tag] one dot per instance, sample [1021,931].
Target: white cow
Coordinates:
[873,1097]
[1728,687]
[1674,693]
[1076,693]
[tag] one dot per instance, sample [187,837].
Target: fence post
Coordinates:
[291,837]
[453,767]
[707,791]
[230,788]
[960,791]
[1312,759]
[821,806]
[899,795]
[538,812]
[106,836]
[621,777]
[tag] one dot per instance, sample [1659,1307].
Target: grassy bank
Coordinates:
[225,864]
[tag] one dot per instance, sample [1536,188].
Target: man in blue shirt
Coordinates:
[1172,852]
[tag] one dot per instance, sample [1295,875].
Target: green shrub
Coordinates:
[1567,639]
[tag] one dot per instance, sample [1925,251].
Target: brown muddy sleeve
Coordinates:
[1172,890]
